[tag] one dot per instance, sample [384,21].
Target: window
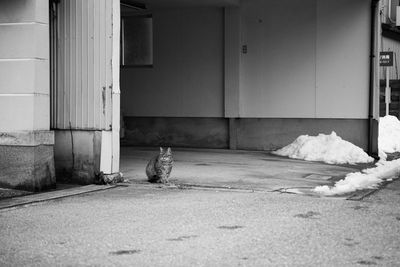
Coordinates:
[137,41]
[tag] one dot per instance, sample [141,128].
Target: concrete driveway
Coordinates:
[254,170]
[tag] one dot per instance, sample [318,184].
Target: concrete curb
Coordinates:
[355,196]
[197,187]
[14,202]
[360,195]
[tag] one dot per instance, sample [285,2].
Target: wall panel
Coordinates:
[187,77]
[305,59]
[342,66]
[278,69]
[82,94]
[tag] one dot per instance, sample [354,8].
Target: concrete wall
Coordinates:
[77,155]
[278,71]
[305,59]
[186,79]
[26,144]
[24,65]
[274,133]
[240,133]
[181,132]
[342,67]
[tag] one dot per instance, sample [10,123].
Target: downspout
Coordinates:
[372,124]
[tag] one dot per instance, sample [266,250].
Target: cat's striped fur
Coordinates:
[159,167]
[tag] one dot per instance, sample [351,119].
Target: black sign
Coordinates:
[386,59]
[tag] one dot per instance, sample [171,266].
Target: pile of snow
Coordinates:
[327,148]
[334,150]
[389,135]
[368,178]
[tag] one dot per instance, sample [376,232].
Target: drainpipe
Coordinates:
[372,123]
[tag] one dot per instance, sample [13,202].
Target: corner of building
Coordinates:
[27,160]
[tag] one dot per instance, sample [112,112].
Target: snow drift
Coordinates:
[334,150]
[327,148]
[368,178]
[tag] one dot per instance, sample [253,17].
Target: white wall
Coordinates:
[342,67]
[278,71]
[186,79]
[24,66]
[306,59]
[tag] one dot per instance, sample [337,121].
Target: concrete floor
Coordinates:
[236,169]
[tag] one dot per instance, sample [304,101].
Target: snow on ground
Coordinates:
[389,135]
[368,178]
[388,142]
[334,150]
[327,148]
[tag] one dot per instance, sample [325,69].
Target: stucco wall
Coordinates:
[305,59]
[26,144]
[186,79]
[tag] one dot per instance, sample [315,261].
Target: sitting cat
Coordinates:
[159,167]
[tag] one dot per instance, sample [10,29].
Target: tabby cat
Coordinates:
[160,166]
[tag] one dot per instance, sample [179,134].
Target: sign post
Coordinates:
[386,60]
[387,92]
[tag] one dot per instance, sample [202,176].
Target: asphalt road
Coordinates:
[141,225]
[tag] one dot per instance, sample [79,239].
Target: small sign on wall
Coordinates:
[386,59]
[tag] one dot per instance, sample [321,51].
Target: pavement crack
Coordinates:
[182,238]
[230,227]
[125,252]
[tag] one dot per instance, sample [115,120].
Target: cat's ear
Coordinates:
[161,150]
[169,151]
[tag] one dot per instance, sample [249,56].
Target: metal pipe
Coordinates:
[372,131]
